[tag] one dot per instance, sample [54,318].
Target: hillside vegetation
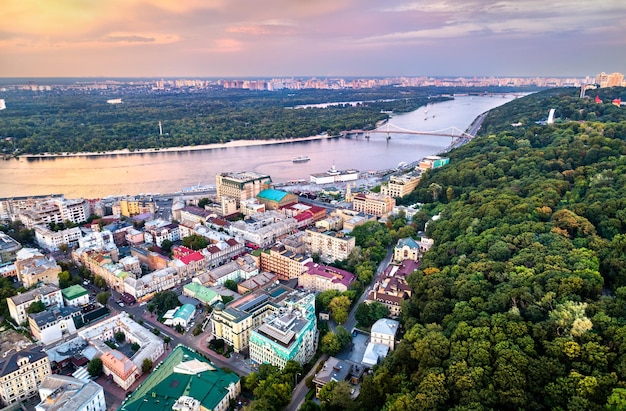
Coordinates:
[521,303]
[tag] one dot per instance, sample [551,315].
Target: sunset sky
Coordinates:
[230,38]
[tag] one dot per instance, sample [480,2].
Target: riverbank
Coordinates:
[235,143]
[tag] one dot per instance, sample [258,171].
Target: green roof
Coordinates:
[73,292]
[165,385]
[202,293]
[272,194]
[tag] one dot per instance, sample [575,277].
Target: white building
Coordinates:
[52,240]
[334,176]
[53,325]
[329,245]
[384,332]
[97,240]
[157,281]
[63,393]
[49,295]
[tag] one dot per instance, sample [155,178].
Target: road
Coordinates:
[299,393]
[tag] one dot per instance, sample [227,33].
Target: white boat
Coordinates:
[301,159]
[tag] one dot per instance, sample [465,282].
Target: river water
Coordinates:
[169,172]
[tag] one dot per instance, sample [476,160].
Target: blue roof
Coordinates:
[409,242]
[272,195]
[185,312]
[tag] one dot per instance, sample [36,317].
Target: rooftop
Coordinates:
[73,292]
[183,373]
[272,194]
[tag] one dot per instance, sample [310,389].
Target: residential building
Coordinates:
[120,368]
[222,251]
[330,223]
[75,296]
[49,295]
[329,245]
[319,278]
[384,332]
[8,248]
[143,288]
[131,207]
[52,240]
[260,280]
[195,215]
[393,288]
[275,199]
[251,206]
[295,242]
[235,321]
[181,316]
[264,229]
[53,324]
[283,262]
[406,249]
[241,185]
[185,380]
[289,334]
[333,369]
[33,268]
[373,204]
[54,210]
[237,270]
[402,185]
[131,264]
[64,393]
[187,261]
[98,240]
[150,345]
[610,80]
[21,373]
[311,211]
[159,231]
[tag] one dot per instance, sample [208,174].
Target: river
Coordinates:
[169,172]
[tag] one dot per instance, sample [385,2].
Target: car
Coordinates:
[121,304]
[86,282]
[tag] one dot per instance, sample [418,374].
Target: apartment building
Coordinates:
[131,207]
[157,281]
[235,321]
[119,368]
[21,373]
[33,268]
[8,248]
[264,229]
[283,262]
[373,204]
[53,324]
[319,278]
[289,334]
[64,393]
[52,240]
[54,210]
[240,269]
[194,215]
[384,332]
[50,295]
[158,231]
[329,245]
[399,186]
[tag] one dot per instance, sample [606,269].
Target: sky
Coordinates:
[278,38]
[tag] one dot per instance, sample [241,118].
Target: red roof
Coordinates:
[195,256]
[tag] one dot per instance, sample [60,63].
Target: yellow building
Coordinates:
[131,208]
[21,373]
[241,185]
[373,204]
[33,268]
[399,186]
[283,262]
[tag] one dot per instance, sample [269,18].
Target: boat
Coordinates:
[301,159]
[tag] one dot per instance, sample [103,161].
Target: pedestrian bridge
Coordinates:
[389,129]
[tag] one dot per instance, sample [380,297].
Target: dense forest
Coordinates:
[521,303]
[61,121]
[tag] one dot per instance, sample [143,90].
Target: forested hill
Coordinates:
[521,303]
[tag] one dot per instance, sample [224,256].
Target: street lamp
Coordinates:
[296,380]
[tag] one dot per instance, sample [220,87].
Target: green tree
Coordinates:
[195,242]
[166,245]
[36,307]
[339,307]
[103,297]
[120,336]
[65,279]
[330,343]
[135,346]
[231,285]
[146,365]
[335,396]
[167,340]
[203,202]
[94,368]
[99,282]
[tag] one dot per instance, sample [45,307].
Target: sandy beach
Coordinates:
[236,143]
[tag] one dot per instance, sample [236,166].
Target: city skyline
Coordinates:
[161,38]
